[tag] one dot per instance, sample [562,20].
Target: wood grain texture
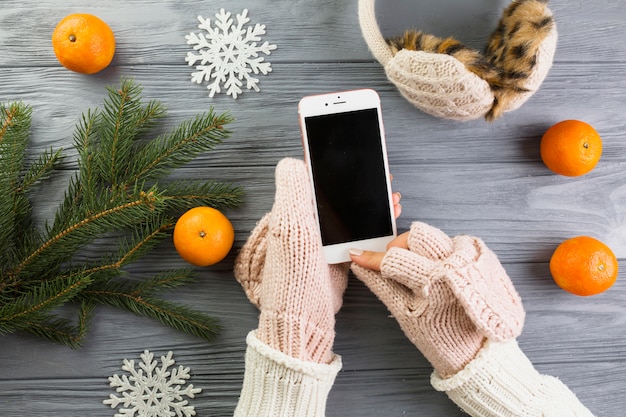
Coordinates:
[483,179]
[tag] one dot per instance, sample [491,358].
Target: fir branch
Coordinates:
[138,299]
[15,122]
[183,195]
[167,152]
[144,288]
[108,198]
[164,281]
[144,118]
[117,130]
[144,238]
[147,119]
[38,301]
[65,242]
[61,330]
[84,137]
[40,170]
[124,120]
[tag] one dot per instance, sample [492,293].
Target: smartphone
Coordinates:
[344,149]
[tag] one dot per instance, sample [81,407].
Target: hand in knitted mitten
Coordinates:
[448,295]
[283,272]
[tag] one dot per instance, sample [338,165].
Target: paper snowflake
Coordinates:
[152,391]
[228,54]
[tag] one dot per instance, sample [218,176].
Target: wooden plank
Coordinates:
[520,213]
[388,367]
[266,127]
[477,178]
[150,32]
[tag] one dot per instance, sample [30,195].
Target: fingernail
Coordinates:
[355,252]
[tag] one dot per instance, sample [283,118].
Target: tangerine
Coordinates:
[571,148]
[203,236]
[584,266]
[83,43]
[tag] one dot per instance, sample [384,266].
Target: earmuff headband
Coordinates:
[444,78]
[371,32]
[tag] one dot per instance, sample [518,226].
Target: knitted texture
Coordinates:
[251,261]
[277,385]
[283,271]
[502,382]
[448,295]
[439,85]
[371,32]
[442,86]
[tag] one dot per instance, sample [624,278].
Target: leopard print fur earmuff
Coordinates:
[447,79]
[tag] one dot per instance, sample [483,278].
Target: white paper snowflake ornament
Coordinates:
[228,54]
[151,390]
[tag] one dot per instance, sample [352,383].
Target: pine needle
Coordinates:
[39,300]
[118,195]
[139,299]
[182,195]
[167,152]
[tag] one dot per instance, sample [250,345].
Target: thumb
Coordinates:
[293,191]
[394,295]
[367,259]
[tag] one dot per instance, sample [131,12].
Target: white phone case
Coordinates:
[336,106]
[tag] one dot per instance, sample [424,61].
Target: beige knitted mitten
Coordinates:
[448,295]
[283,272]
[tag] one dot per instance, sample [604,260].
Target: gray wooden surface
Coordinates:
[476,178]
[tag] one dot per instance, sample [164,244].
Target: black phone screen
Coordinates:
[349,177]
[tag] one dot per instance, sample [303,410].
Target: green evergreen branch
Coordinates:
[14,136]
[61,330]
[38,301]
[37,172]
[66,241]
[182,195]
[84,137]
[114,196]
[15,119]
[138,299]
[144,239]
[180,146]
[124,120]
[165,280]
[15,122]
[40,169]
[117,134]
[148,117]
[143,288]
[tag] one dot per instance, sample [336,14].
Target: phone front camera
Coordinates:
[326,104]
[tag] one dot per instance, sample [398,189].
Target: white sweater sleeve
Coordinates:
[277,385]
[502,382]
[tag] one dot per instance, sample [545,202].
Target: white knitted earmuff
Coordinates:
[446,79]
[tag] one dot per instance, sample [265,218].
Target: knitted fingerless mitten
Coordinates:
[448,295]
[283,270]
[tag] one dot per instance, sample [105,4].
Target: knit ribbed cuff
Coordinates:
[278,385]
[297,337]
[502,382]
